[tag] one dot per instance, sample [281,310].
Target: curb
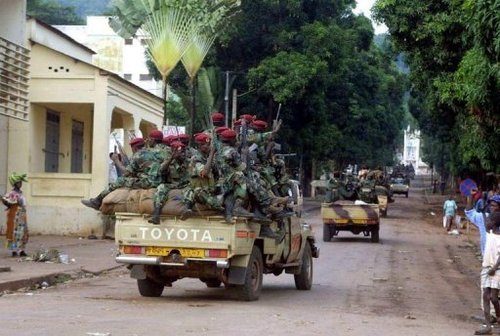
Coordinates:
[51,279]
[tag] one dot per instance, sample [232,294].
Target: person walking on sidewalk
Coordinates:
[450,211]
[17,225]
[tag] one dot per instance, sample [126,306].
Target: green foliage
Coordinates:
[51,12]
[341,96]
[286,75]
[453,48]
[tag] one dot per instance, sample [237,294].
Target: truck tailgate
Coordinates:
[349,213]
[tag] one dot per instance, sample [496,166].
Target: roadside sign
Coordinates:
[466,187]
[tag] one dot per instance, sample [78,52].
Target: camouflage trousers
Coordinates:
[236,184]
[128,182]
[161,194]
[256,188]
[202,195]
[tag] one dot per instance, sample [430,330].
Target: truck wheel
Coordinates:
[213,283]
[374,234]
[149,288]
[250,290]
[327,233]
[303,280]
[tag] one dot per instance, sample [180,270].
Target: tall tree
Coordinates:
[452,48]
[336,89]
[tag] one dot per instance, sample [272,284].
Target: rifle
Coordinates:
[214,150]
[244,144]
[120,148]
[275,121]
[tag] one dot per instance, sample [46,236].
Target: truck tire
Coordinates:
[374,234]
[327,232]
[149,288]
[250,290]
[303,280]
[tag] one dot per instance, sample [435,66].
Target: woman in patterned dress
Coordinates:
[17,225]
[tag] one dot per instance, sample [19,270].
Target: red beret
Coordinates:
[247,117]
[136,141]
[156,134]
[259,125]
[169,138]
[228,134]
[177,144]
[216,116]
[202,138]
[237,122]
[184,138]
[220,129]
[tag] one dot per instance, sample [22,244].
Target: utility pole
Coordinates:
[229,78]
[226,99]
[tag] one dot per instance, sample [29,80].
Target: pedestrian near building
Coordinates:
[449,212]
[17,233]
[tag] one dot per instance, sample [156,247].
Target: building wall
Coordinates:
[12,28]
[125,58]
[77,91]
[12,19]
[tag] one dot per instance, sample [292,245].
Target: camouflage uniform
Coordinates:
[201,189]
[176,177]
[231,169]
[143,172]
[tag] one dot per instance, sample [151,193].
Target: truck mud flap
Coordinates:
[238,269]
[236,275]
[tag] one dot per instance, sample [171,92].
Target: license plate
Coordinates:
[165,251]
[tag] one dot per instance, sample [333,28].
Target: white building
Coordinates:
[125,57]
[411,151]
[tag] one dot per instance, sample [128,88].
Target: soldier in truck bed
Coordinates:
[202,186]
[143,172]
[174,172]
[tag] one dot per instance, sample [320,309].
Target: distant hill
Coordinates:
[84,8]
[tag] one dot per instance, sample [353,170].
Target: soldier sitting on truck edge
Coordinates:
[141,173]
[174,176]
[202,184]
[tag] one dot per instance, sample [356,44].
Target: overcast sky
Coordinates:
[364,7]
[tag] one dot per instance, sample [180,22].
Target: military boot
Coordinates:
[240,211]
[187,211]
[278,212]
[155,218]
[267,232]
[229,201]
[94,203]
[259,216]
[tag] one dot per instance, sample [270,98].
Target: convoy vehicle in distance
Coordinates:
[214,251]
[400,185]
[350,216]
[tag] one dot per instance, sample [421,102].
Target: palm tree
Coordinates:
[168,27]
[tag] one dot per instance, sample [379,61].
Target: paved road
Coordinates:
[417,281]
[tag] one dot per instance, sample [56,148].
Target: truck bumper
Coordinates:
[147,260]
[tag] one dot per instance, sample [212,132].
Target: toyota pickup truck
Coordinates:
[216,252]
[350,216]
